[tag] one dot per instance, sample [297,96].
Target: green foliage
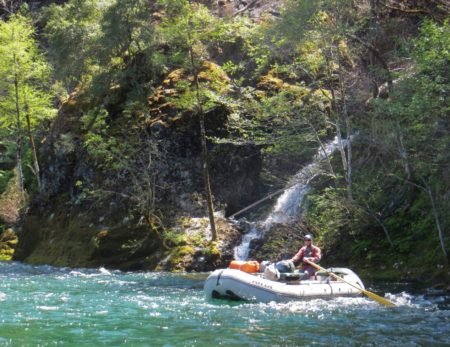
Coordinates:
[190,30]
[189,26]
[21,59]
[214,87]
[101,44]
[414,226]
[66,144]
[300,55]
[411,133]
[175,238]
[418,109]
[72,31]
[298,18]
[103,150]
[125,29]
[328,213]
[363,248]
[95,121]
[26,98]
[5,177]
[127,48]
[260,48]
[298,38]
[431,50]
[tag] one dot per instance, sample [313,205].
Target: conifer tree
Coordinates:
[24,98]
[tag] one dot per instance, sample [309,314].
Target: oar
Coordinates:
[371,295]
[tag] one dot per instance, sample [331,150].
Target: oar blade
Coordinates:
[379,299]
[371,295]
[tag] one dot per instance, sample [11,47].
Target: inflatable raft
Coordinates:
[236,284]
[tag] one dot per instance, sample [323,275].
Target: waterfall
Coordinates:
[290,205]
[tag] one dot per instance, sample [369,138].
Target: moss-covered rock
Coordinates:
[8,243]
[195,251]
[77,238]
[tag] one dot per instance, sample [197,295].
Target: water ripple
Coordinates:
[48,306]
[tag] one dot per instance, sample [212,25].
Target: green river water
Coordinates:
[48,306]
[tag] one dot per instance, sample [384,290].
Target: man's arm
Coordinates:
[298,256]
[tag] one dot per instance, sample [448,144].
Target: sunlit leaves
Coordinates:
[19,52]
[432,50]
[22,61]
[419,106]
[191,26]
[72,31]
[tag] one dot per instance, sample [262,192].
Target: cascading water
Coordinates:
[289,205]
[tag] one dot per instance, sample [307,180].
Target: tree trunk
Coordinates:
[335,112]
[349,161]
[436,217]
[403,153]
[18,136]
[207,177]
[33,146]
[341,148]
[348,173]
[204,151]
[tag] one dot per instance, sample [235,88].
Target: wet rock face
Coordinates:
[54,235]
[236,170]
[234,167]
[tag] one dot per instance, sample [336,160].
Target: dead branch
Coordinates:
[250,4]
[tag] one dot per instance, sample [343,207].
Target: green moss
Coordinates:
[8,242]
[198,240]
[179,256]
[6,254]
[211,250]
[175,238]
[185,222]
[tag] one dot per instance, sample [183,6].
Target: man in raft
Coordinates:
[307,252]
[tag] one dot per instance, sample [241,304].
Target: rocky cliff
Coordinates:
[134,212]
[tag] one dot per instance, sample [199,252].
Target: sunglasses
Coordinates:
[307,240]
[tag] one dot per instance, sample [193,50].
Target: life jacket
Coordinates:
[308,252]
